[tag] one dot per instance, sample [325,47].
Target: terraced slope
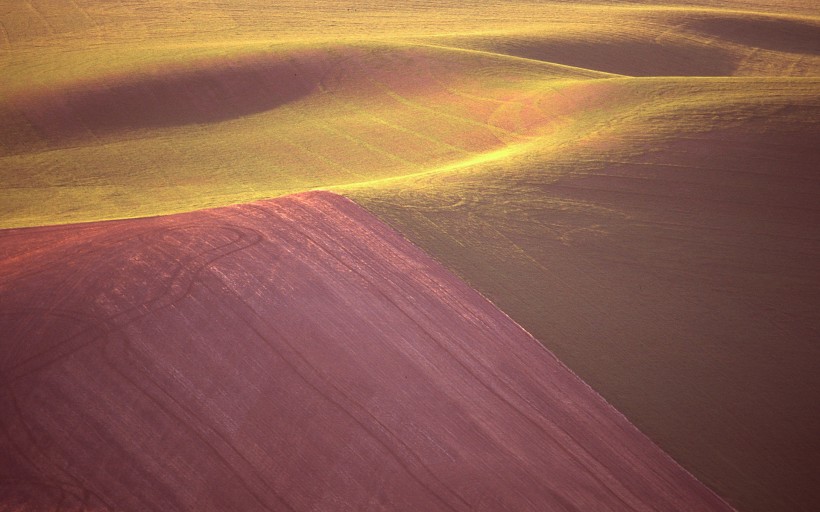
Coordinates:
[294,354]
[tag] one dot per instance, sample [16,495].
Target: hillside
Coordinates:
[635,184]
[674,272]
[294,354]
[112,111]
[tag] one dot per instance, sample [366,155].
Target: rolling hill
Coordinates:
[634,184]
[294,354]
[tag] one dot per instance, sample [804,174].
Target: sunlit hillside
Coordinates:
[635,184]
[112,111]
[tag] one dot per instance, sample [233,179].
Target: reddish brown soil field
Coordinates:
[294,354]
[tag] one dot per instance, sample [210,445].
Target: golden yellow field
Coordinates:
[112,111]
[635,184]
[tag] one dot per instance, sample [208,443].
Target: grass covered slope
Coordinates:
[111,111]
[221,130]
[294,354]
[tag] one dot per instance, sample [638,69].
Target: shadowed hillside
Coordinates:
[94,110]
[671,264]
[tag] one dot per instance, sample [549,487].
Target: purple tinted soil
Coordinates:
[292,354]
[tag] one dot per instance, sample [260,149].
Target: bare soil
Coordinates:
[293,354]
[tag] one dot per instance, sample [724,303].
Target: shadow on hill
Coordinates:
[623,56]
[782,35]
[209,93]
